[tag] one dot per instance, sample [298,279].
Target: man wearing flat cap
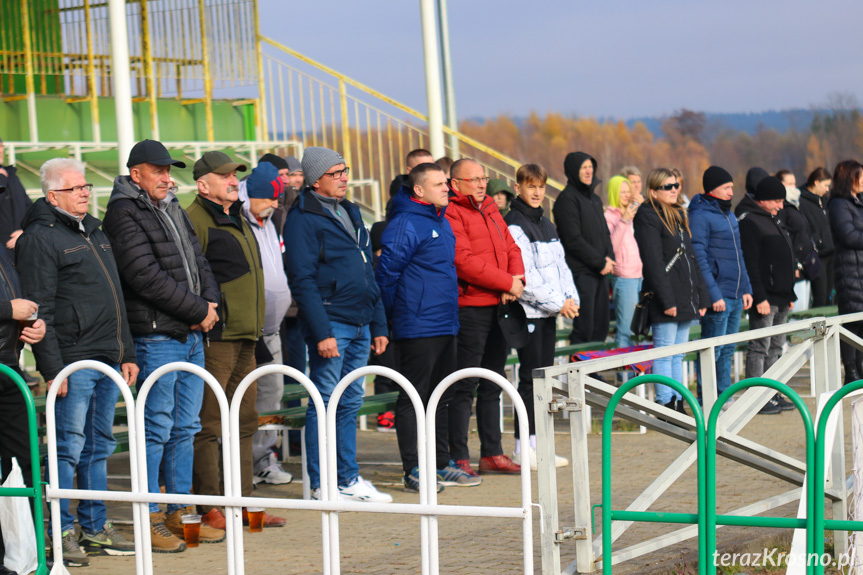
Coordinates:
[329,262]
[171,300]
[230,247]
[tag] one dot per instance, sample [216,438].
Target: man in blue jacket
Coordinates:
[716,241]
[419,287]
[331,277]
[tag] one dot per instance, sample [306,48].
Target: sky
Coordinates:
[605,58]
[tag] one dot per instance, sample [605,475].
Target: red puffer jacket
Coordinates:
[486,256]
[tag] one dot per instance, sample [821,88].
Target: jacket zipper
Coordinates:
[116,299]
[8,282]
[737,255]
[689,266]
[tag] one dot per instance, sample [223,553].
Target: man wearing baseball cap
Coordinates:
[230,247]
[171,298]
[330,271]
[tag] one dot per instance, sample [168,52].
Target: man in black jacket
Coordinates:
[66,266]
[770,263]
[14,203]
[587,242]
[171,297]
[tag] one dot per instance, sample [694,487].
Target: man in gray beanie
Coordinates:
[329,264]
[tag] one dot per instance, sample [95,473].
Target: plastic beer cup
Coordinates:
[191,529]
[256,519]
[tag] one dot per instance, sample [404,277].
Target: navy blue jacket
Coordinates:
[329,270]
[416,271]
[716,241]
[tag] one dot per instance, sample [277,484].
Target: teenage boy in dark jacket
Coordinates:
[581,226]
[171,297]
[770,263]
[419,287]
[329,261]
[67,267]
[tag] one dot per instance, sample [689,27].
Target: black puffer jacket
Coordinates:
[682,286]
[768,253]
[152,271]
[10,288]
[846,223]
[71,274]
[814,209]
[580,220]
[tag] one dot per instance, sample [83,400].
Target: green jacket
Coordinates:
[230,247]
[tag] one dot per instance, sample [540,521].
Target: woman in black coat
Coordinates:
[813,206]
[671,274]
[846,223]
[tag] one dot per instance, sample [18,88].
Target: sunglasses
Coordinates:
[669,187]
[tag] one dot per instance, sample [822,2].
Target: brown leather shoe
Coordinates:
[208,534]
[464,465]
[498,464]
[214,518]
[269,520]
[161,539]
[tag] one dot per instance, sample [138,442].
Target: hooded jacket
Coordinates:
[580,222]
[71,274]
[627,260]
[814,209]
[416,271]
[846,223]
[486,256]
[330,270]
[680,284]
[153,266]
[768,253]
[548,280]
[716,241]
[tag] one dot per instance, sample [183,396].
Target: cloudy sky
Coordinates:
[601,58]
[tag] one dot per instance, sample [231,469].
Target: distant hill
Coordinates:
[781,121]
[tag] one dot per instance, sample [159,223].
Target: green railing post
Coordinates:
[36,491]
[710,488]
[608,514]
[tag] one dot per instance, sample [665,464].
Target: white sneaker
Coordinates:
[362,490]
[559,460]
[316,495]
[273,474]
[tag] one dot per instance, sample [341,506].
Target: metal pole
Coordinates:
[432,69]
[149,70]
[346,128]
[121,82]
[262,108]
[28,69]
[205,62]
[91,75]
[448,88]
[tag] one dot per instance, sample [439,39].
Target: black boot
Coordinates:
[680,406]
[851,373]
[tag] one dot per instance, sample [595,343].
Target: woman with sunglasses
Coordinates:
[671,275]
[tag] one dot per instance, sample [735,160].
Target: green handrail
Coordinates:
[710,488]
[608,514]
[36,491]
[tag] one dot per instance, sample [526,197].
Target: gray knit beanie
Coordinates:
[293,164]
[316,162]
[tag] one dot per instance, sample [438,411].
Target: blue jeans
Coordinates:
[354,344]
[669,333]
[84,420]
[172,412]
[715,324]
[625,296]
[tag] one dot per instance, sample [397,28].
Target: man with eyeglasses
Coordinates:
[67,267]
[329,260]
[490,272]
[171,299]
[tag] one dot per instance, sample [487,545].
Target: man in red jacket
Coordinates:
[490,271]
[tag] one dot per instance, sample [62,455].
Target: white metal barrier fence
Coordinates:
[428,509]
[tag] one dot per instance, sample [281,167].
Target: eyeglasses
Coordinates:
[669,187]
[337,175]
[77,189]
[474,181]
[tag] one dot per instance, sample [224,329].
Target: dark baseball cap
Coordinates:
[152,152]
[215,162]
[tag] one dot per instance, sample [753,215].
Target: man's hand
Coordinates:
[23,308]
[2,169]
[719,305]
[569,309]
[791,306]
[702,311]
[517,286]
[671,312]
[609,266]
[13,237]
[747,301]
[64,388]
[328,348]
[763,308]
[379,344]
[34,333]
[129,371]
[506,298]
[211,319]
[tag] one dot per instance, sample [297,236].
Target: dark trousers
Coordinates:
[389,358]
[822,286]
[850,355]
[294,355]
[539,352]
[480,344]
[14,439]
[593,318]
[425,362]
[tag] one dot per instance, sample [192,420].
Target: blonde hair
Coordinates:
[673,216]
